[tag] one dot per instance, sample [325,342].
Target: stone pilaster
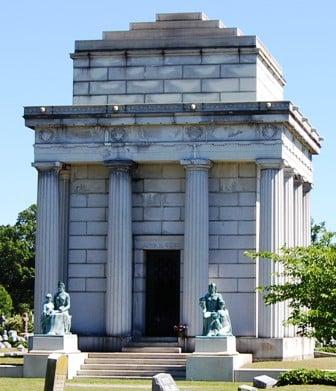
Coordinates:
[47,234]
[298,211]
[306,214]
[196,242]
[64,197]
[271,238]
[119,250]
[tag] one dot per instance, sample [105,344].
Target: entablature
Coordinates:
[267,115]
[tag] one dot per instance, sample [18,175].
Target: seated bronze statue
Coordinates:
[55,319]
[216,318]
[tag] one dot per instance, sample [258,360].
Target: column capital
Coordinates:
[120,165]
[289,172]
[196,164]
[298,180]
[48,166]
[65,173]
[307,186]
[270,163]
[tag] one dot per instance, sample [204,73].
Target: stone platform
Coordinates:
[41,346]
[67,343]
[215,358]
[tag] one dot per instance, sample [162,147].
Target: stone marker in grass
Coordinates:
[163,382]
[245,387]
[264,381]
[57,368]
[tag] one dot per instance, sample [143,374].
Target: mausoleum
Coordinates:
[177,155]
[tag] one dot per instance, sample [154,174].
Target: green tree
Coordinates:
[320,235]
[17,253]
[6,304]
[310,285]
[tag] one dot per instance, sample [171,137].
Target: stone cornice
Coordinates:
[282,112]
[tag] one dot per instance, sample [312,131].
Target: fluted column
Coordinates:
[270,317]
[298,211]
[64,194]
[119,250]
[196,242]
[289,330]
[289,206]
[47,234]
[306,214]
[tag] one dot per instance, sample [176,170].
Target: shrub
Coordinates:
[327,349]
[15,323]
[307,376]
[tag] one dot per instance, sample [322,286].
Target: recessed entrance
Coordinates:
[162,292]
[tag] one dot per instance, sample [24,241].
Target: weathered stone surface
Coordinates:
[163,382]
[245,387]
[158,106]
[264,381]
[57,369]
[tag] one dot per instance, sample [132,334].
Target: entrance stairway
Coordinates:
[142,359]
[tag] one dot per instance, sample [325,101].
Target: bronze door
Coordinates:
[162,292]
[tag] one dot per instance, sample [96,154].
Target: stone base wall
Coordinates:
[87,248]
[294,348]
[222,76]
[232,200]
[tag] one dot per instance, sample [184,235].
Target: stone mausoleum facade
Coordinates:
[177,155]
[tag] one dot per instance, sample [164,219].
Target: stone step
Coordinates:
[137,362]
[152,349]
[134,377]
[156,367]
[141,355]
[156,339]
[142,344]
[128,373]
[104,361]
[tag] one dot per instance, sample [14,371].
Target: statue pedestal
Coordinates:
[215,358]
[225,345]
[41,346]
[67,343]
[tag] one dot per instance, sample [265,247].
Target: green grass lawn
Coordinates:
[10,384]
[315,363]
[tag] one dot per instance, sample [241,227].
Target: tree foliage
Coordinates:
[309,287]
[17,254]
[6,304]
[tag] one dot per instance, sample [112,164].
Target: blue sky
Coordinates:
[37,37]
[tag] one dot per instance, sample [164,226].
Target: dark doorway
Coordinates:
[162,292]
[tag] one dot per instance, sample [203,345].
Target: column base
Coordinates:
[289,348]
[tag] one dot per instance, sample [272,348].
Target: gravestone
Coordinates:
[264,381]
[245,387]
[163,382]
[56,374]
